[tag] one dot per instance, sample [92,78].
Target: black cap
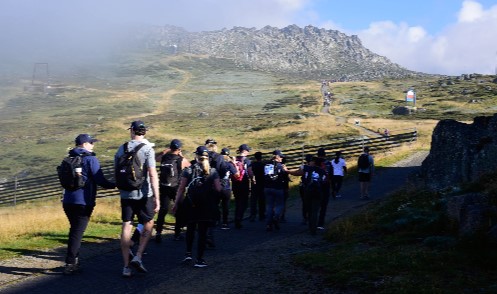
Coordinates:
[84,138]
[210,141]
[137,125]
[225,151]
[244,147]
[202,151]
[175,144]
[279,153]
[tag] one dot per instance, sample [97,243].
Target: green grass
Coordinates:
[404,244]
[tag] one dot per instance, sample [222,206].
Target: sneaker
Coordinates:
[126,272]
[338,196]
[188,257]
[138,265]
[158,238]
[131,254]
[200,263]
[320,228]
[71,268]
[225,227]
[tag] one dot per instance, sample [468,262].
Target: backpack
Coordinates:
[69,179]
[271,172]
[240,166]
[198,187]
[314,178]
[170,170]
[129,173]
[363,161]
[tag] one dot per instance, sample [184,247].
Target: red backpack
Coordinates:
[240,166]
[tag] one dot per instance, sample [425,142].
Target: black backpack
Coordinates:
[69,179]
[129,173]
[314,178]
[170,170]
[199,187]
[363,161]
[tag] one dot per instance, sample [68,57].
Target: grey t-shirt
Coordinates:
[147,157]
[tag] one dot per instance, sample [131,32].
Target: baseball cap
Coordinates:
[225,151]
[210,141]
[175,144]
[279,153]
[244,147]
[202,151]
[137,124]
[84,138]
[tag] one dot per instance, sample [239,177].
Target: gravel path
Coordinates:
[249,260]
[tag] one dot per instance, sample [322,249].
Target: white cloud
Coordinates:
[468,46]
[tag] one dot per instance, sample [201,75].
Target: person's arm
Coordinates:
[154,181]
[297,172]
[98,175]
[179,193]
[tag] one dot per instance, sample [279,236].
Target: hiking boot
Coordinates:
[225,227]
[138,265]
[71,268]
[126,272]
[158,238]
[200,263]
[188,257]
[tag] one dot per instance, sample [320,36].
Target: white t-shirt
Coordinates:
[338,167]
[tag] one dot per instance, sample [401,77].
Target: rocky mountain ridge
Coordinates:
[308,52]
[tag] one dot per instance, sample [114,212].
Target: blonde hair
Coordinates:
[211,147]
[204,163]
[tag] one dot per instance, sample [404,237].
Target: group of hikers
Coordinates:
[200,190]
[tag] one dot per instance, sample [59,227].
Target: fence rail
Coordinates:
[26,189]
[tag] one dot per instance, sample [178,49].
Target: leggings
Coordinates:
[202,227]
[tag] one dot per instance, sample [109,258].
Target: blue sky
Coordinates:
[438,36]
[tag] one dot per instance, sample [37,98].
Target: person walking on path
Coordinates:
[143,202]
[365,165]
[226,186]
[274,190]
[257,199]
[303,198]
[241,186]
[326,165]
[78,205]
[172,164]
[202,185]
[314,177]
[339,167]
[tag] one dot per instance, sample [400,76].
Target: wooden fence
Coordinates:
[25,189]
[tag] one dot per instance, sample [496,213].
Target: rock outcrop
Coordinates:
[307,52]
[461,152]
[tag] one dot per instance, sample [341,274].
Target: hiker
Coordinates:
[241,184]
[274,190]
[216,161]
[314,177]
[326,165]
[286,192]
[78,205]
[365,169]
[202,184]
[257,199]
[226,186]
[305,203]
[172,163]
[339,167]
[142,201]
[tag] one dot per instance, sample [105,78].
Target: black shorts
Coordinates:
[144,209]
[364,177]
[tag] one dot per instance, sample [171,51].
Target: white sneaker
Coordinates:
[126,272]
[320,228]
[138,265]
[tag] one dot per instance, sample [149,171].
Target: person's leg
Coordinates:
[190,236]
[253,203]
[261,201]
[126,241]
[146,217]
[161,216]
[279,206]
[314,205]
[325,197]
[78,216]
[270,201]
[202,238]
[225,202]
[238,204]
[338,184]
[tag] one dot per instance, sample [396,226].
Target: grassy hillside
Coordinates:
[194,97]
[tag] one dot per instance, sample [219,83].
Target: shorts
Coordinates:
[364,177]
[143,208]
